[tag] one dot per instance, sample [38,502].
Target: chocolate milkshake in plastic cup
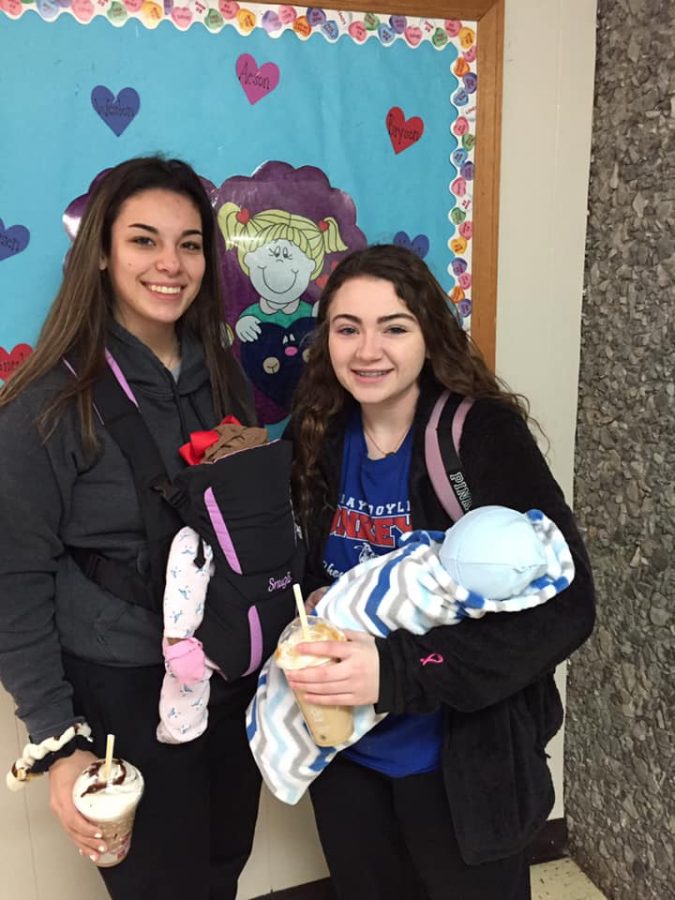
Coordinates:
[328,725]
[111,804]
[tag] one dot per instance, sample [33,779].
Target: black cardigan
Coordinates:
[496,679]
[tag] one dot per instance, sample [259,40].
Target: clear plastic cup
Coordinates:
[111,806]
[328,725]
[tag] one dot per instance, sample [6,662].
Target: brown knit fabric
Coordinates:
[232,438]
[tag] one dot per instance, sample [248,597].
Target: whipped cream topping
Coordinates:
[100,800]
[287,657]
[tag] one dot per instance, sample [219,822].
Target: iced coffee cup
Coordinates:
[328,725]
[110,805]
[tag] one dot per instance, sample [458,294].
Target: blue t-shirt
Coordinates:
[373,511]
[373,507]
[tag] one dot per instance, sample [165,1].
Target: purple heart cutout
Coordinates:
[418,245]
[13,240]
[119,111]
[271,22]
[316,16]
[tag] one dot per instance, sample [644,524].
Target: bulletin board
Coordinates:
[370,126]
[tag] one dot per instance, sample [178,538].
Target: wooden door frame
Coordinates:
[489,16]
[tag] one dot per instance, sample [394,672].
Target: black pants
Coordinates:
[393,839]
[194,826]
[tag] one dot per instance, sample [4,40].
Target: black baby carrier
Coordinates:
[240,505]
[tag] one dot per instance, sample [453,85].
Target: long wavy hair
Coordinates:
[76,323]
[453,361]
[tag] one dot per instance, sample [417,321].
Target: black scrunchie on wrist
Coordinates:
[79,742]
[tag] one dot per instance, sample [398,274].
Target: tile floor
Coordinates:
[562,880]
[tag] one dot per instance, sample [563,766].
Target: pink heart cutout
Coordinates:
[358,31]
[256,82]
[228,9]
[13,8]
[413,35]
[287,14]
[182,16]
[83,10]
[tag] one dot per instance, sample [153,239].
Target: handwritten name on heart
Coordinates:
[13,8]
[118,112]
[13,240]
[403,133]
[10,361]
[48,10]
[257,82]
[418,245]
[181,16]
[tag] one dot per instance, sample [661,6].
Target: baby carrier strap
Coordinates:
[240,505]
[143,584]
[442,457]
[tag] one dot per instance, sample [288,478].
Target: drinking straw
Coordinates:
[301,612]
[110,743]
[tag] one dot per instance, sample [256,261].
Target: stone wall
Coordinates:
[620,765]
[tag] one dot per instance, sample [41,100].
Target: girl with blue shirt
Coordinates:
[443,797]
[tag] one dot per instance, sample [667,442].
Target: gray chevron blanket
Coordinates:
[407,588]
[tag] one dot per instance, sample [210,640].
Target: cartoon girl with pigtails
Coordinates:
[280,253]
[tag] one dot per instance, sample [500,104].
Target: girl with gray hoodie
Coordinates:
[140,294]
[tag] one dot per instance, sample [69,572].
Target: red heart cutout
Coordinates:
[403,132]
[9,361]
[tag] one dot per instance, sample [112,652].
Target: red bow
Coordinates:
[193,452]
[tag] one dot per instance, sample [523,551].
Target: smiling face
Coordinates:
[279,271]
[376,345]
[156,261]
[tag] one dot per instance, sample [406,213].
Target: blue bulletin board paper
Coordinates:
[76,99]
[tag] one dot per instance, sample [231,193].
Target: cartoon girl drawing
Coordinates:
[273,263]
[281,253]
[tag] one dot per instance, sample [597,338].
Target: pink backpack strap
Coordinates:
[119,376]
[450,486]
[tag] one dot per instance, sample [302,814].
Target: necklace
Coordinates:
[173,359]
[377,446]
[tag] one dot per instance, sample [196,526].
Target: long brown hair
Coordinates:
[454,361]
[76,322]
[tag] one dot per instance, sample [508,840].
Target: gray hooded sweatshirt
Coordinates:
[54,496]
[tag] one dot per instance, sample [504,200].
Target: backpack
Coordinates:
[252,532]
[442,460]
[240,505]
